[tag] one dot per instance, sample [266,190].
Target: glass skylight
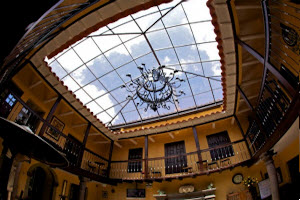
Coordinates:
[178,35]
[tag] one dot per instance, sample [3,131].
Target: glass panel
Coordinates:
[215,84]
[69,61]
[146,21]
[129,27]
[203,32]
[181,35]
[131,116]
[204,98]
[106,101]
[138,46]
[120,94]
[218,94]
[87,50]
[199,85]
[95,89]
[94,107]
[130,68]
[111,81]
[84,98]
[167,57]
[175,17]
[188,54]
[149,60]
[70,83]
[212,68]
[118,120]
[118,56]
[107,42]
[196,10]
[185,103]
[159,39]
[57,69]
[193,68]
[209,51]
[99,66]
[127,37]
[104,117]
[83,76]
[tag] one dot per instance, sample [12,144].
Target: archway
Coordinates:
[41,183]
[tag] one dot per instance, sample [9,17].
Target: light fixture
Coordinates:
[155,87]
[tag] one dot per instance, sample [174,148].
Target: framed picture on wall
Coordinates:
[59,125]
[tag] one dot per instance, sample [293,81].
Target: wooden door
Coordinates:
[175,164]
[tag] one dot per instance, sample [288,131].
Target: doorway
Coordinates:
[175,164]
[41,183]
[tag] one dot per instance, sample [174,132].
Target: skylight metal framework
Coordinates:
[174,35]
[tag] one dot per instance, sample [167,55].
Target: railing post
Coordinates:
[244,135]
[50,115]
[198,148]
[109,158]
[86,134]
[146,156]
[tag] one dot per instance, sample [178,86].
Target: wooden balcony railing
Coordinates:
[184,165]
[94,163]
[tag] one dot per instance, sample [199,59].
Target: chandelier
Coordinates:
[155,87]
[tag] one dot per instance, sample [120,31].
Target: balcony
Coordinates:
[181,166]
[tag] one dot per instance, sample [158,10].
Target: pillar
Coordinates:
[269,162]
[82,187]
[13,179]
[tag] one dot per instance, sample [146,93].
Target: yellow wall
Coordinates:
[60,175]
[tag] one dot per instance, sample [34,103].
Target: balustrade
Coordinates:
[183,165]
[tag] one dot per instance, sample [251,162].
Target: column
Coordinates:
[12,184]
[267,158]
[146,157]
[198,148]
[82,187]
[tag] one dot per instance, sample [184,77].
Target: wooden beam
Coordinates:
[50,100]
[232,121]
[213,125]
[250,50]
[250,82]
[109,157]
[151,139]
[86,134]
[66,113]
[133,141]
[198,148]
[246,7]
[252,37]
[249,63]
[251,97]
[35,84]
[118,144]
[94,134]
[50,115]
[171,135]
[244,110]
[245,98]
[101,142]
[78,125]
